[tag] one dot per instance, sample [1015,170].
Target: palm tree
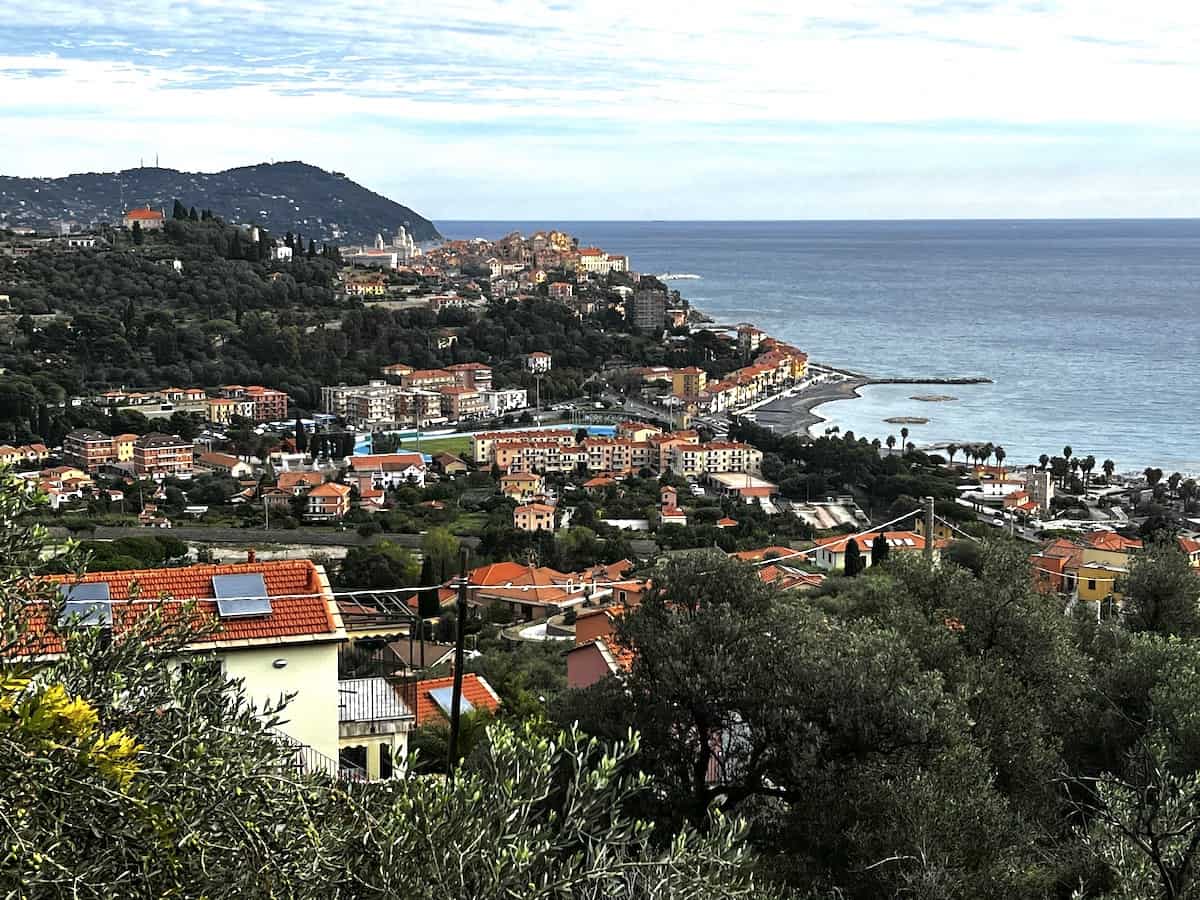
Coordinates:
[988,449]
[1087,465]
[1000,454]
[1153,476]
[876,443]
[1067,453]
[891,442]
[951,449]
[903,434]
[910,446]
[1109,467]
[1044,461]
[1188,491]
[1074,466]
[1173,482]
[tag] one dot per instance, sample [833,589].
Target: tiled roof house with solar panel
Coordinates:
[278,629]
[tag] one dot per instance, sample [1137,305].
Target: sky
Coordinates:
[631,109]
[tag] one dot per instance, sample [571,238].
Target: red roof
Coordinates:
[475,690]
[1111,541]
[387,462]
[300,607]
[146,214]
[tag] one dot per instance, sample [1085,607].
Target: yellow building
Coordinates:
[534,517]
[221,410]
[1096,581]
[123,447]
[688,382]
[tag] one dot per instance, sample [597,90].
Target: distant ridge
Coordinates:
[285,196]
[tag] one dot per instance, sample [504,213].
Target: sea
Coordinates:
[1088,329]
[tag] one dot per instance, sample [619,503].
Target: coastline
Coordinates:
[792,415]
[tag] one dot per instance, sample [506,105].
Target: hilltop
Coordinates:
[285,196]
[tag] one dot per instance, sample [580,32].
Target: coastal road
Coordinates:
[199,534]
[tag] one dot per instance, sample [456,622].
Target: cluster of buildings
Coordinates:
[524,457]
[392,254]
[775,366]
[281,629]
[254,402]
[1090,568]
[423,397]
[152,455]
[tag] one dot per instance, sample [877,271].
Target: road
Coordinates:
[218,535]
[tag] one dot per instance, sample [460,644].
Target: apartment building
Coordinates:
[474,375]
[505,400]
[534,517]
[484,444]
[429,379]
[382,405]
[459,403]
[88,449]
[157,455]
[694,460]
[257,403]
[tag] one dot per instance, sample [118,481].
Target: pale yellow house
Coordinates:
[279,632]
[123,447]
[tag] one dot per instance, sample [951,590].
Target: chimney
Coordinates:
[251,556]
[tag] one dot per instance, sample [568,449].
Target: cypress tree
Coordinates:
[312,248]
[179,212]
[193,215]
[427,600]
[138,237]
[854,559]
[879,549]
[301,436]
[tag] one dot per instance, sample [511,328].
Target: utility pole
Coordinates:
[929,529]
[460,639]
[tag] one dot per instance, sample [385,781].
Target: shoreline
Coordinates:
[792,415]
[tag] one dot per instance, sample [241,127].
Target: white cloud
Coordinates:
[528,95]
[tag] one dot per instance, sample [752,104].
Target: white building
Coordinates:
[505,400]
[538,361]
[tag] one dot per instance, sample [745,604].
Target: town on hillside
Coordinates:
[427,490]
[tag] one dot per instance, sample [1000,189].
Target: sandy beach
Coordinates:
[791,415]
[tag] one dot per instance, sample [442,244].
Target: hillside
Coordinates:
[286,196]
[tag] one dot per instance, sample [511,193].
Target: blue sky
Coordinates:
[576,109]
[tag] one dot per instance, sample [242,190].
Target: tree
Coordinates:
[879,550]
[301,436]
[427,600]
[1000,456]
[903,436]
[854,558]
[192,216]
[1109,467]
[1043,461]
[1067,453]
[179,212]
[442,547]
[951,449]
[1162,592]
[312,249]
[138,235]
[891,442]
[1087,465]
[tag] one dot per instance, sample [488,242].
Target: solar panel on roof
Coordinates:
[241,595]
[444,698]
[86,604]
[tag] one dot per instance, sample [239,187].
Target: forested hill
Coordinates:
[286,196]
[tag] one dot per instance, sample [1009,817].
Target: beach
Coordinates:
[797,414]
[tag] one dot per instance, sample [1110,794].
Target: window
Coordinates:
[1091,584]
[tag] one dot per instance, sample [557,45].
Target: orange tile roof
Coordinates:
[1189,546]
[756,555]
[288,481]
[1110,540]
[145,214]
[330,489]
[475,690]
[387,462]
[299,605]
[895,539]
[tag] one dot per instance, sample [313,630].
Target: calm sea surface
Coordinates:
[1089,329]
